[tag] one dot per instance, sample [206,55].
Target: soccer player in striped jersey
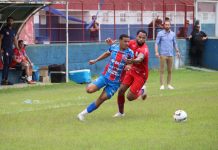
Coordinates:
[112,74]
[137,75]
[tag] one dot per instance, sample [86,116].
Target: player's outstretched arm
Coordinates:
[103,56]
[139,59]
[109,41]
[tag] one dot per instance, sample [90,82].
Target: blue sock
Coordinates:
[91,107]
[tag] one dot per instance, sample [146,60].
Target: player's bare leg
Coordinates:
[93,106]
[137,88]
[91,88]
[121,100]
[132,96]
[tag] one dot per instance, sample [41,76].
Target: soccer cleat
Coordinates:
[170,87]
[31,82]
[144,92]
[80,117]
[162,87]
[118,115]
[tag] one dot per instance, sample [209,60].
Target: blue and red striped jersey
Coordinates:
[115,67]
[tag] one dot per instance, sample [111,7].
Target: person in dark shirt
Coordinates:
[158,26]
[94,30]
[7,39]
[197,39]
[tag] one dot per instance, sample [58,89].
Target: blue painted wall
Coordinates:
[209,29]
[210,59]
[80,54]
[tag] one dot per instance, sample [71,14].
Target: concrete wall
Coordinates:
[80,54]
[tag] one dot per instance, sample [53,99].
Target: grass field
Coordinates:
[50,123]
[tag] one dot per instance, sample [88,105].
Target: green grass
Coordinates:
[50,122]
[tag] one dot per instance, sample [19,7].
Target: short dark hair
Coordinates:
[10,18]
[167,18]
[20,41]
[123,36]
[141,30]
[167,21]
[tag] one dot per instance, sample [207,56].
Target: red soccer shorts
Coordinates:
[134,80]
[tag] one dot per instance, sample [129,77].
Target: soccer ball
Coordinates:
[180,115]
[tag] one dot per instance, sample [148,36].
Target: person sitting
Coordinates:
[20,58]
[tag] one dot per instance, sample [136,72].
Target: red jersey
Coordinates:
[140,68]
[20,56]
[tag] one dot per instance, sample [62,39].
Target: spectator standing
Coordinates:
[94,30]
[166,40]
[197,39]
[7,39]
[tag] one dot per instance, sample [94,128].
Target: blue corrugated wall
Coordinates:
[80,54]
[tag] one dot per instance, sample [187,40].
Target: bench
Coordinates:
[14,75]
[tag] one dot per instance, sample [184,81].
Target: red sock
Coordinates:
[120,102]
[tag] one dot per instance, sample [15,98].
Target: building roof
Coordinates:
[19,10]
[148,5]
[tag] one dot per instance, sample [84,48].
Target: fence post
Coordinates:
[128,21]
[196,10]
[49,24]
[153,20]
[83,30]
[114,20]
[141,15]
[193,16]
[175,18]
[216,23]
[99,31]
[164,11]
[185,16]
[67,39]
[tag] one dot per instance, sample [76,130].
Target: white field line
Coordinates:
[49,107]
[68,104]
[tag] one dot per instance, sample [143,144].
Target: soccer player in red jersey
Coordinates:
[137,75]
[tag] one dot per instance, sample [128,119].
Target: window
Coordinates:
[42,17]
[139,18]
[105,17]
[122,17]
[205,16]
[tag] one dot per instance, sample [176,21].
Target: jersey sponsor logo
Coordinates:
[112,72]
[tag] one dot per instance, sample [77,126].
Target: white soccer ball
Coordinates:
[180,115]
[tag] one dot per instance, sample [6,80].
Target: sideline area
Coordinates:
[23,85]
